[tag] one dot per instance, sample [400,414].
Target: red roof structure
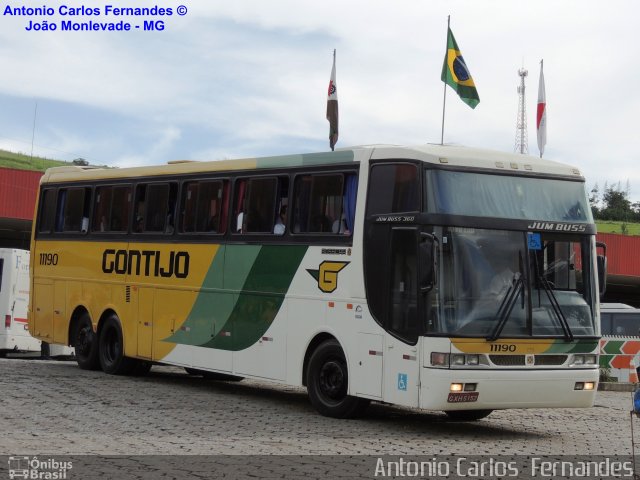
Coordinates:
[18,191]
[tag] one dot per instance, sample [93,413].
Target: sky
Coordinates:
[248,78]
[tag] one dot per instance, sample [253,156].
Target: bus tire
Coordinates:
[328,383]
[467,415]
[141,368]
[111,348]
[213,375]
[85,342]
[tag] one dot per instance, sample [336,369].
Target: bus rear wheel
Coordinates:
[85,343]
[328,382]
[467,415]
[111,348]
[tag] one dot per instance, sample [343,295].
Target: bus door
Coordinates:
[391,242]
[401,353]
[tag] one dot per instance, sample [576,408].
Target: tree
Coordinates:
[615,204]
[594,201]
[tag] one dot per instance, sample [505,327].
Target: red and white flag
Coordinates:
[332,106]
[541,121]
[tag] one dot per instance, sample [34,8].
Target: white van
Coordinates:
[14,302]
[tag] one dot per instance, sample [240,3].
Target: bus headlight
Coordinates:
[439,359]
[454,360]
[584,359]
[457,360]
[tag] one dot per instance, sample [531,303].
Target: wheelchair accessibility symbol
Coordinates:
[402,381]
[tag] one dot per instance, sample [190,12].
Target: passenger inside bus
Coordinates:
[281,221]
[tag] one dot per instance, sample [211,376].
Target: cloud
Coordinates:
[249,78]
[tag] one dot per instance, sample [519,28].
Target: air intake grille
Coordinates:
[550,359]
[508,360]
[127,293]
[520,360]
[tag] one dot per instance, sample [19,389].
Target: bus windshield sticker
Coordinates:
[535,241]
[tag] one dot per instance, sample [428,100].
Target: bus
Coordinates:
[14,301]
[441,277]
[620,342]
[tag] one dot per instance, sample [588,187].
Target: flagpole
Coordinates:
[444,99]
[541,65]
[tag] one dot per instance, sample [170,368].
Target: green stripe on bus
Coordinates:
[577,346]
[323,158]
[236,317]
[262,297]
[214,303]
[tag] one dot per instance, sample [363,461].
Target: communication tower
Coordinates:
[522,140]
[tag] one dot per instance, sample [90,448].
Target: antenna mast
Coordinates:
[522,139]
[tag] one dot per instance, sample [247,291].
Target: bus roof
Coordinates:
[451,155]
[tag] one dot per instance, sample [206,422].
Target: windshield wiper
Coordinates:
[507,304]
[555,306]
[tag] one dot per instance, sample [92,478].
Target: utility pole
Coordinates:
[522,140]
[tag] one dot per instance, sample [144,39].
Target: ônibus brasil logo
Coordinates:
[35,468]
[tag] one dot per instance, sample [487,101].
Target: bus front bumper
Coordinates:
[500,389]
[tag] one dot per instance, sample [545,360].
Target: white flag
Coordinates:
[541,123]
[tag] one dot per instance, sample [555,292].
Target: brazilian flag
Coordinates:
[456,74]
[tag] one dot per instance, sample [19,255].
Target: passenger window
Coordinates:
[605,323]
[204,207]
[626,324]
[255,205]
[47,210]
[393,188]
[155,208]
[318,205]
[72,214]
[111,209]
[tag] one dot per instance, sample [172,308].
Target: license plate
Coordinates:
[459,397]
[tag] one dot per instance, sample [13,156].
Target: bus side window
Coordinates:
[625,324]
[394,188]
[255,205]
[202,207]
[111,209]
[318,204]
[605,323]
[155,208]
[47,210]
[73,210]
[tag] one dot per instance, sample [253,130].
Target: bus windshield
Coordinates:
[506,196]
[497,283]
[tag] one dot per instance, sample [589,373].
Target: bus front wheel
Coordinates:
[85,343]
[328,382]
[467,415]
[111,349]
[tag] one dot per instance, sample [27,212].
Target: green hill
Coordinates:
[609,226]
[25,162]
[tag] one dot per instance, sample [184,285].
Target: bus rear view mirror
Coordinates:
[601,261]
[428,259]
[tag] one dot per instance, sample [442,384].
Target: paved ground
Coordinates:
[54,408]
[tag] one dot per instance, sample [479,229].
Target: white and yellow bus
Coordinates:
[439,277]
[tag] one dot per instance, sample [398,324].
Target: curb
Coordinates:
[616,387]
